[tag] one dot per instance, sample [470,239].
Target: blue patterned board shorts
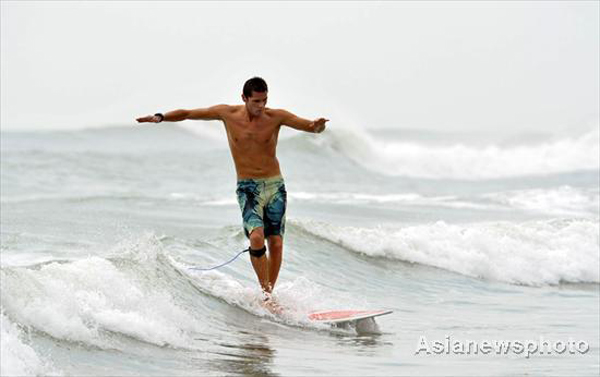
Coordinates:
[263,202]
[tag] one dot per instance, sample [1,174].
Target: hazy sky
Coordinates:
[511,66]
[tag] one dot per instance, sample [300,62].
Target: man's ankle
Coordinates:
[267,295]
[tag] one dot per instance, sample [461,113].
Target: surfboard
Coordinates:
[342,316]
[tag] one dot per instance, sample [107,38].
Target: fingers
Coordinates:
[320,125]
[149,118]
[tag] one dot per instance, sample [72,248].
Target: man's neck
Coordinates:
[248,115]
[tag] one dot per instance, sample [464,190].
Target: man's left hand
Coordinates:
[319,125]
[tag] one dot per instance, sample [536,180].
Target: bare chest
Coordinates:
[247,134]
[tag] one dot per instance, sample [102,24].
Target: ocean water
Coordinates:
[465,237]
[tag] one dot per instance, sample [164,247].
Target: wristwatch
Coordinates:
[162,117]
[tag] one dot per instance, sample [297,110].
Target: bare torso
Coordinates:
[253,143]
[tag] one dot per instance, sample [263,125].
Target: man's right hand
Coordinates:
[149,119]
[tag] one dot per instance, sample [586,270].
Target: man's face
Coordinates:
[256,102]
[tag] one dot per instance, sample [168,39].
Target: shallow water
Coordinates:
[464,238]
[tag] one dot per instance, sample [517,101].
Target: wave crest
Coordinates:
[531,253]
[461,161]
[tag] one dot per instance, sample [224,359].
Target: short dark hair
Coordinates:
[255,84]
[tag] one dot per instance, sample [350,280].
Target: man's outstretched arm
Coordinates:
[291,120]
[209,113]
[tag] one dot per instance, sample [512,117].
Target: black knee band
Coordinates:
[257,253]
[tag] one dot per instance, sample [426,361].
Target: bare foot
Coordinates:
[271,305]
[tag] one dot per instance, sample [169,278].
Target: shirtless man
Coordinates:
[252,131]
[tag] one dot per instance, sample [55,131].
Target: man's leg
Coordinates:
[275,257]
[260,264]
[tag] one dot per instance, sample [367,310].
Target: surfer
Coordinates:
[252,132]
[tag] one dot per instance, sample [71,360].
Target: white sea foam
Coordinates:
[350,197]
[400,199]
[530,253]
[462,161]
[564,200]
[16,356]
[298,297]
[81,300]
[346,198]
[218,284]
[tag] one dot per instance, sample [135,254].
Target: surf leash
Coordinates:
[222,264]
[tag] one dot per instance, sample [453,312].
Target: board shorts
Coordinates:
[263,202]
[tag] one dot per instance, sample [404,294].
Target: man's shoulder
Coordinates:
[227,108]
[277,113]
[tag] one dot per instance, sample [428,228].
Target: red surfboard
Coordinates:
[340,316]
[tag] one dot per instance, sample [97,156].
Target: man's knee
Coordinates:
[257,243]
[257,237]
